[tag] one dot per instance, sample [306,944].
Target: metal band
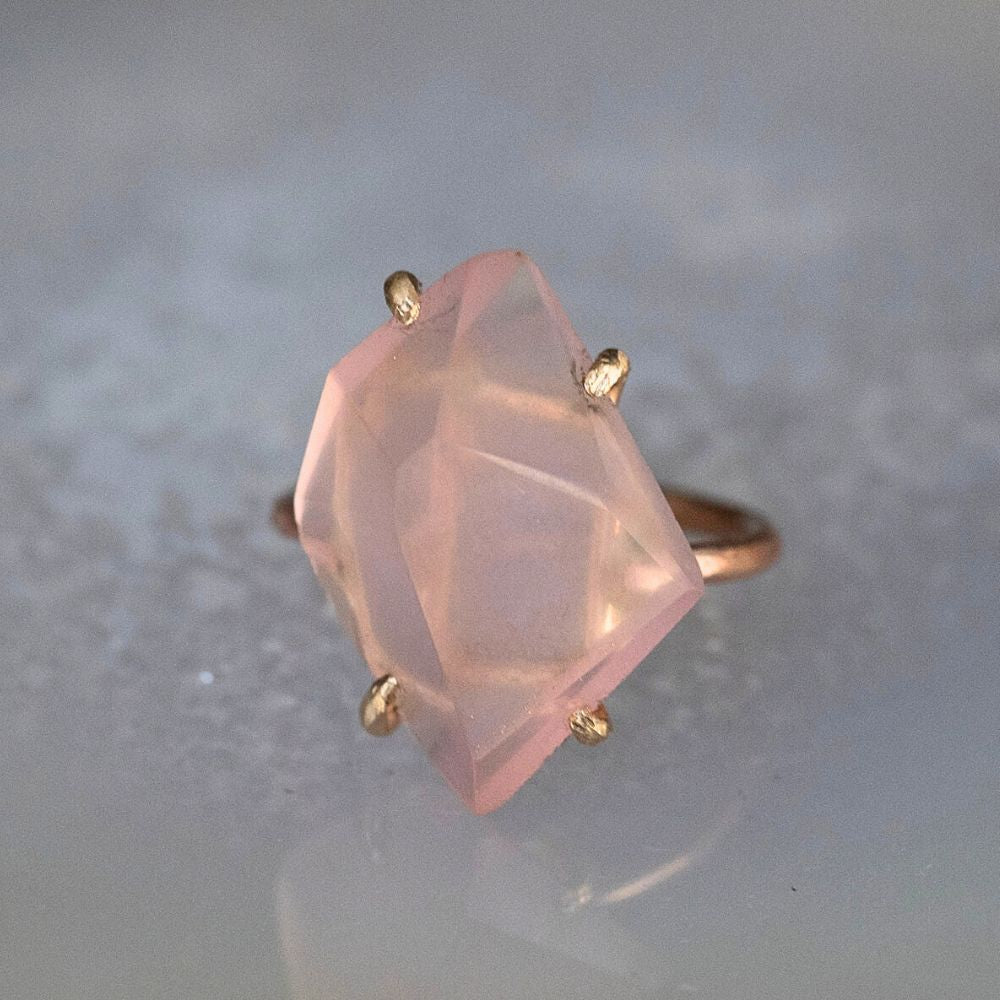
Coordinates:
[729,542]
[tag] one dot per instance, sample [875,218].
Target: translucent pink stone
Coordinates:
[491,535]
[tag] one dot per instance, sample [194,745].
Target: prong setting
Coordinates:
[402,296]
[607,375]
[379,710]
[590,726]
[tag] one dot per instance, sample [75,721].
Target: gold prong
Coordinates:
[402,296]
[590,726]
[380,706]
[607,375]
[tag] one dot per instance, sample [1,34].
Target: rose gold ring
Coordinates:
[729,542]
[476,509]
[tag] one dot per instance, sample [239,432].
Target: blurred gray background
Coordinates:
[786,213]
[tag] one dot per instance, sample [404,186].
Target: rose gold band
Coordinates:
[730,542]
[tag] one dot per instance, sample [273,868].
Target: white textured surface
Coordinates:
[787,214]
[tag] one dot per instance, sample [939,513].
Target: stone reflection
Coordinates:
[412,897]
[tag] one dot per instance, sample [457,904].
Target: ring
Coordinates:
[477,511]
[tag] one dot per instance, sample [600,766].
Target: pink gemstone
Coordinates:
[491,535]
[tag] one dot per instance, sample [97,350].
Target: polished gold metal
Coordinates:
[380,706]
[590,726]
[729,542]
[402,296]
[607,375]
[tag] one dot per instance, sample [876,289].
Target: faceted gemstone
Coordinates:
[488,531]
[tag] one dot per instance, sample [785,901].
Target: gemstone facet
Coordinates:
[488,531]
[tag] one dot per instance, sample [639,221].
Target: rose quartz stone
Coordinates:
[490,534]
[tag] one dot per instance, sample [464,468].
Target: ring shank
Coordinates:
[729,542]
